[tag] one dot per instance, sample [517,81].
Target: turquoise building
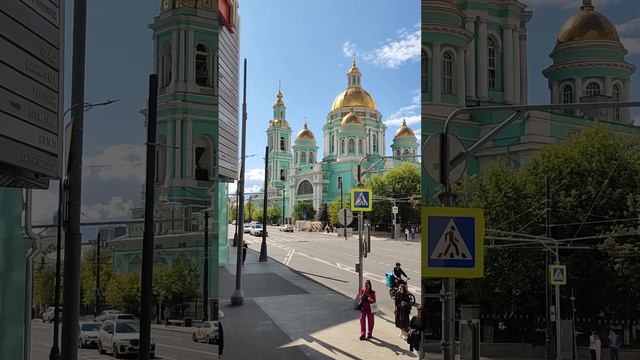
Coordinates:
[475,54]
[353,132]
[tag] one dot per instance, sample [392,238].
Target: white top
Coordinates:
[594,343]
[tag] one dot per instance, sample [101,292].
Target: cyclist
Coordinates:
[398,273]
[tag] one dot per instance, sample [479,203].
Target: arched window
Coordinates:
[615,92]
[203,159]
[425,71]
[311,158]
[360,147]
[342,146]
[593,89]
[447,73]
[333,144]
[405,152]
[295,158]
[282,174]
[398,153]
[352,146]
[202,65]
[567,98]
[491,50]
[166,65]
[305,188]
[303,158]
[375,143]
[282,143]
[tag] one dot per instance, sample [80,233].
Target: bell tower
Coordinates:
[279,142]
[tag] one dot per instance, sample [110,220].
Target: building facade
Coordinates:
[353,133]
[475,54]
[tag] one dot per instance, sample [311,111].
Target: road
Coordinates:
[330,260]
[170,345]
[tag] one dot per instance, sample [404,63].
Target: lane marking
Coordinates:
[187,349]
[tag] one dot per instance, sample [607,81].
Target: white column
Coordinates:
[191,67]
[436,82]
[461,81]
[175,57]
[470,60]
[190,150]
[625,113]
[178,162]
[524,91]
[170,150]
[516,66]
[555,93]
[578,93]
[483,85]
[183,60]
[507,61]
[608,86]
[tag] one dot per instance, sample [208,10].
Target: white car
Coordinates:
[247,228]
[120,316]
[207,332]
[106,313]
[121,337]
[48,314]
[286,228]
[256,230]
[88,335]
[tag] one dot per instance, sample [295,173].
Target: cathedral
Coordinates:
[475,54]
[353,133]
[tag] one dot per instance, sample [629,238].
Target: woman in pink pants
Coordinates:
[367,297]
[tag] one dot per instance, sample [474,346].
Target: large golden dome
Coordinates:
[353,96]
[305,134]
[405,131]
[351,119]
[586,25]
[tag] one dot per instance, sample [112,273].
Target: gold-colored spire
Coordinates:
[586,5]
[354,67]
[279,102]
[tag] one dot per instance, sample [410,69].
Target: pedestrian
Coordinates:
[367,301]
[406,233]
[414,334]
[594,345]
[244,252]
[614,344]
[167,315]
[403,310]
[413,233]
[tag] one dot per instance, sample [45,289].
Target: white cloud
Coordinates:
[629,27]
[410,113]
[394,53]
[631,44]
[567,4]
[253,189]
[254,175]
[349,48]
[117,208]
[119,161]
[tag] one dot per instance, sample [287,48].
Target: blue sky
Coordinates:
[299,42]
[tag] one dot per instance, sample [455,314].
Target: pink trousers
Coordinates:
[366,315]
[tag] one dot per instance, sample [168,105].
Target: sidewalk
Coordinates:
[288,316]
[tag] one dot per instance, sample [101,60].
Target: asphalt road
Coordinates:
[330,260]
[170,345]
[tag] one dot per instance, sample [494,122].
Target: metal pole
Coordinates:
[549,328]
[205,272]
[360,239]
[237,298]
[263,246]
[558,317]
[73,238]
[283,206]
[148,236]
[573,324]
[344,227]
[54,354]
[235,237]
[98,274]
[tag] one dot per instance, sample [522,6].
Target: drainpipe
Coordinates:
[31,253]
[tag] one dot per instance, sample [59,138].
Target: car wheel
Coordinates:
[100,349]
[115,352]
[194,337]
[79,343]
[208,339]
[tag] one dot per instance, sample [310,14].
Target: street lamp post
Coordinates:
[205,290]
[283,189]
[263,245]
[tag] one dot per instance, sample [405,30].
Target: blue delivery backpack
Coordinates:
[390,279]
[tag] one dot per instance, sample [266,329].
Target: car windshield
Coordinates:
[90,327]
[127,328]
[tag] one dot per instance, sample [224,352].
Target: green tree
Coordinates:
[123,292]
[257,215]
[177,284]
[44,284]
[324,214]
[274,214]
[304,210]
[333,212]
[88,274]
[403,184]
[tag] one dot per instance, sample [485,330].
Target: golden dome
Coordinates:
[351,119]
[405,131]
[305,134]
[586,25]
[279,102]
[353,96]
[280,123]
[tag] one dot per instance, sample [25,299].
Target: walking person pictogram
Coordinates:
[451,245]
[450,237]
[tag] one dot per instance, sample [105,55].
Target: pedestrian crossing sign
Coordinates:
[558,274]
[452,242]
[361,200]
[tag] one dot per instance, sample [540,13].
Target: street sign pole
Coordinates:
[448,284]
[360,237]
[558,342]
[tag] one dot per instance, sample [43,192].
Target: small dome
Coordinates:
[353,96]
[404,131]
[305,134]
[282,123]
[586,25]
[351,119]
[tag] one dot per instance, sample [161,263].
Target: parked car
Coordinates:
[104,313]
[207,332]
[48,314]
[256,229]
[121,337]
[286,228]
[88,333]
[247,228]
[120,316]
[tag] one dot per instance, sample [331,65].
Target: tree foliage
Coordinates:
[123,292]
[177,284]
[403,184]
[333,212]
[274,214]
[88,274]
[304,211]
[44,283]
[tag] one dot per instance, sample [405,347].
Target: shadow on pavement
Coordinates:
[321,276]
